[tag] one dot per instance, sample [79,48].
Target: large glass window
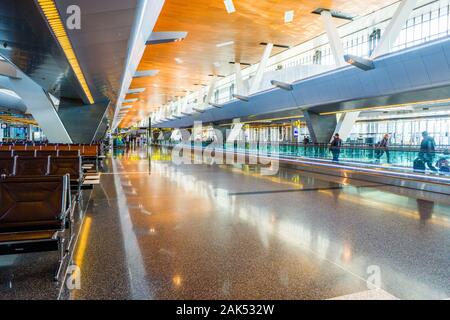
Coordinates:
[404,131]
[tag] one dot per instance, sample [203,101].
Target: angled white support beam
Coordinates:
[256,83]
[38,104]
[184,104]
[178,106]
[7,70]
[200,102]
[394,27]
[333,38]
[184,107]
[173,109]
[240,89]
[345,124]
[212,87]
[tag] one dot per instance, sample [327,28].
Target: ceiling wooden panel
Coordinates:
[209,24]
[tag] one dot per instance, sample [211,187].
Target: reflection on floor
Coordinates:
[156,230]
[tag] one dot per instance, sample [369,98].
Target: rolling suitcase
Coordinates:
[419,165]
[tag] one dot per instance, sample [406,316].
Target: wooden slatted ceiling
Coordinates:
[209,24]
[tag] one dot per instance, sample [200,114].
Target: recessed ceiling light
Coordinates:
[224,44]
[242,63]
[335,13]
[229,5]
[156,86]
[146,73]
[289,16]
[178,60]
[276,45]
[130,100]
[216,64]
[165,37]
[137,90]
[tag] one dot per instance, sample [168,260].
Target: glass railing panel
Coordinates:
[396,158]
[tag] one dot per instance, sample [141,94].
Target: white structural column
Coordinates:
[200,98]
[394,27]
[199,106]
[38,104]
[333,38]
[256,83]
[212,87]
[173,109]
[178,106]
[240,89]
[184,105]
[345,124]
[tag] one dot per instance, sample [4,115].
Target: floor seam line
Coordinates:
[299,190]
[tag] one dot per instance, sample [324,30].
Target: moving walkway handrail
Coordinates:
[345,146]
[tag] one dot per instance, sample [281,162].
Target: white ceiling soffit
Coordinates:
[146,16]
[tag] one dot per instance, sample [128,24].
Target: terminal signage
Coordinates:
[295,132]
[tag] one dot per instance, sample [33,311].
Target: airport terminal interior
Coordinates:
[224,150]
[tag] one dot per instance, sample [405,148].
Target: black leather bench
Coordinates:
[71,166]
[36,215]
[32,166]
[7,166]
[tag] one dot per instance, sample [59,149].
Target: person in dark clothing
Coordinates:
[382,147]
[335,147]
[306,140]
[427,150]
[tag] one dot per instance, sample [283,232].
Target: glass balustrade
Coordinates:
[394,158]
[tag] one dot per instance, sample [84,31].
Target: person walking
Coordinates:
[335,147]
[427,150]
[382,147]
[306,140]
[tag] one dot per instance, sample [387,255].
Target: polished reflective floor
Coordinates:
[156,230]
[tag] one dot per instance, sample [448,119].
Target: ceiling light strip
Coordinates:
[51,13]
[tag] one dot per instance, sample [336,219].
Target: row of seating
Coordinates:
[36,215]
[42,166]
[39,153]
[84,150]
[36,202]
